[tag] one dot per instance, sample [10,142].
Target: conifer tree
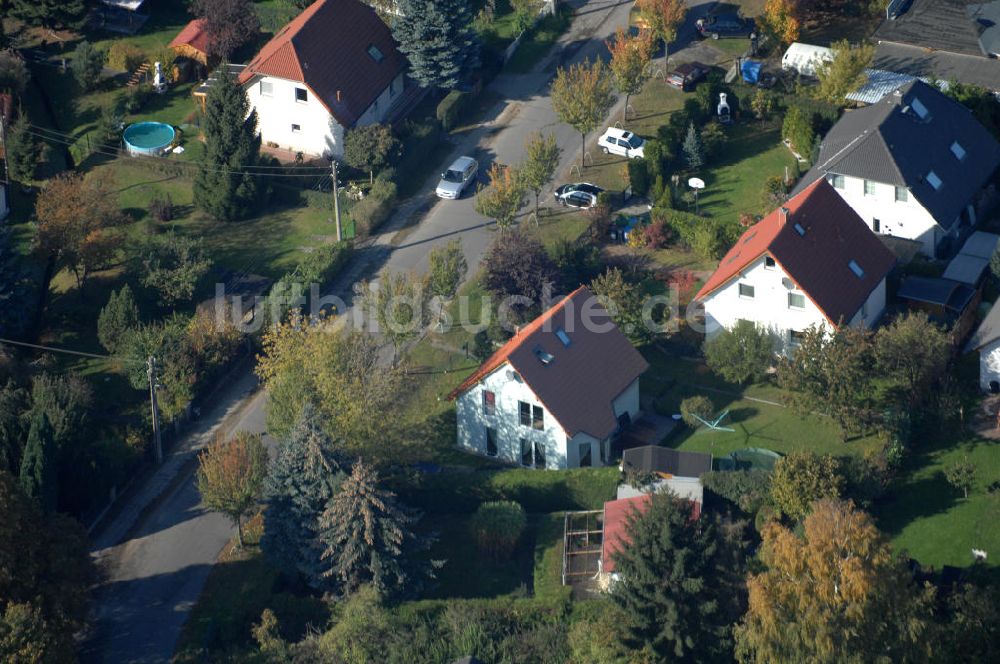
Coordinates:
[118,317]
[300,483]
[368,538]
[50,13]
[38,464]
[693,154]
[12,282]
[23,150]
[437,38]
[222,187]
[667,584]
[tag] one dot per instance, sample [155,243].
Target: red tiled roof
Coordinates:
[326,47]
[818,261]
[616,514]
[582,380]
[194,35]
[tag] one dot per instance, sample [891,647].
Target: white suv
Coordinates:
[621,142]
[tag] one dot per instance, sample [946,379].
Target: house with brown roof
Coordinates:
[555,394]
[192,42]
[813,261]
[335,66]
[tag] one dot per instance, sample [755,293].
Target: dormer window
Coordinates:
[563,337]
[921,110]
[958,151]
[375,53]
[933,180]
[858,271]
[543,356]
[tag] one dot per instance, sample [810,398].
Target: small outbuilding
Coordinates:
[804,59]
[193,41]
[986,342]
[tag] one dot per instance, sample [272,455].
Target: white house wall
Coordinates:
[873,308]
[318,133]
[768,308]
[472,422]
[989,364]
[906,219]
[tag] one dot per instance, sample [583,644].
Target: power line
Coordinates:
[67,351]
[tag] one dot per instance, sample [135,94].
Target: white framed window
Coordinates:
[301,95]
[746,290]
[769,262]
[489,402]
[958,151]
[795,337]
[296,128]
[796,301]
[266,88]
[837,181]
[902,195]
[869,188]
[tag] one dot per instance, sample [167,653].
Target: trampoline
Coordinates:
[749,458]
[148,138]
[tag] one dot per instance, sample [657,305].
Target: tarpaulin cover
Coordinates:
[750,70]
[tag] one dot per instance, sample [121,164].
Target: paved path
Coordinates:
[158,549]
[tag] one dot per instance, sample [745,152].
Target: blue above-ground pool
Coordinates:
[148,138]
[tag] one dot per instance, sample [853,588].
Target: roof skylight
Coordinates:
[919,108]
[799,229]
[375,53]
[563,337]
[858,271]
[934,181]
[543,356]
[958,150]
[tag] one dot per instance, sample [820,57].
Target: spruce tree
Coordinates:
[12,286]
[667,585]
[50,13]
[300,483]
[222,187]
[38,464]
[118,317]
[368,538]
[693,154]
[23,150]
[438,40]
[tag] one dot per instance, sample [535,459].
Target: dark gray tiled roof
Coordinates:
[985,20]
[943,25]
[889,143]
[921,62]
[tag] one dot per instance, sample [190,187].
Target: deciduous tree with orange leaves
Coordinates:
[662,18]
[781,20]
[502,200]
[835,593]
[581,96]
[630,56]
[230,476]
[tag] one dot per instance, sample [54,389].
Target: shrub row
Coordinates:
[748,489]
[370,212]
[322,265]
[537,491]
[452,108]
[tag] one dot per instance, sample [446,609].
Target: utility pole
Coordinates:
[3,141]
[151,374]
[336,200]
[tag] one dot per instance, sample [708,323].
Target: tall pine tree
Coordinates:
[368,538]
[12,286]
[438,40]
[222,187]
[38,464]
[302,480]
[50,13]
[23,150]
[667,584]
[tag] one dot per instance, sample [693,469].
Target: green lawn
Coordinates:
[929,518]
[537,42]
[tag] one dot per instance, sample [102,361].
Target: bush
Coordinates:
[655,159]
[497,527]
[656,235]
[373,209]
[136,98]
[713,139]
[798,130]
[536,491]
[638,176]
[698,405]
[451,109]
[323,264]
[125,56]
[86,66]
[161,208]
[740,354]
[749,489]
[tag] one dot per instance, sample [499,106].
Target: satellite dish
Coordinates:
[696,183]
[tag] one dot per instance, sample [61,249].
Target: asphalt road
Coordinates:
[158,551]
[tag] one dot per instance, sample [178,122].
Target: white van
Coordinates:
[805,58]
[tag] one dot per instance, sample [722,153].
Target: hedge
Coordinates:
[125,56]
[322,265]
[749,489]
[638,176]
[451,109]
[370,212]
[537,491]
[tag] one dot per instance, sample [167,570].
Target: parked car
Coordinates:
[687,75]
[459,175]
[621,142]
[722,26]
[578,195]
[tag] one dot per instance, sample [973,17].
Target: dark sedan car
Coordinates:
[578,195]
[687,75]
[722,26]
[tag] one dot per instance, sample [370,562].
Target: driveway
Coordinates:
[158,551]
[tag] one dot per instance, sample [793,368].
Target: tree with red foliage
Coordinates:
[229,24]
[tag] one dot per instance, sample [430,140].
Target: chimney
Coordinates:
[783,215]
